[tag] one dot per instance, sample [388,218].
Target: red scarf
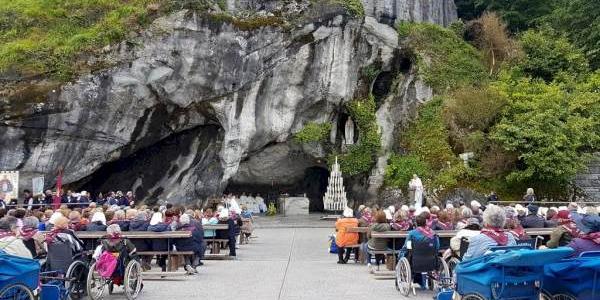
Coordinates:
[52,234]
[496,234]
[593,236]
[426,231]
[27,233]
[519,233]
[401,225]
[367,217]
[571,228]
[445,226]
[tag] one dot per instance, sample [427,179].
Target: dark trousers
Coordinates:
[232,246]
[345,258]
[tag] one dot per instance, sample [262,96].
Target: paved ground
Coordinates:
[282,263]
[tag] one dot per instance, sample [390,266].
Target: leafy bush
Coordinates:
[473,108]
[444,59]
[549,54]
[313,132]
[427,136]
[552,127]
[400,170]
[361,157]
[354,7]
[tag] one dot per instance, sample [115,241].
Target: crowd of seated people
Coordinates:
[43,232]
[483,227]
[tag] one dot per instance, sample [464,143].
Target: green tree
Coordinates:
[550,126]
[518,14]
[401,168]
[580,20]
[547,54]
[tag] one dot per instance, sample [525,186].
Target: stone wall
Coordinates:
[589,181]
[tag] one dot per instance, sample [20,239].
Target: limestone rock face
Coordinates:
[442,12]
[197,103]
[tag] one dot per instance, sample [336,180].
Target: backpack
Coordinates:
[106,264]
[333,248]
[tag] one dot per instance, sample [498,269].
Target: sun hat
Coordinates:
[348,213]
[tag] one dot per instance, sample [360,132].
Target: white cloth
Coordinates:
[416,185]
[14,246]
[455,241]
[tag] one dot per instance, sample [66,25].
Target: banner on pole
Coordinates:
[9,184]
[37,185]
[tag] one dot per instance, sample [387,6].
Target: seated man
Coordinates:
[533,220]
[491,235]
[9,242]
[62,246]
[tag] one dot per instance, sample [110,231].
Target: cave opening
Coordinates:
[313,184]
[382,86]
[341,129]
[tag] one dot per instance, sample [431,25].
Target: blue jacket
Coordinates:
[159,244]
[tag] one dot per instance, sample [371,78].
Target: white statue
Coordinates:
[349,132]
[416,185]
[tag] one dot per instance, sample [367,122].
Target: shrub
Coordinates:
[400,170]
[444,60]
[313,132]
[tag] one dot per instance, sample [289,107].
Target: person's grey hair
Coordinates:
[494,216]
[529,191]
[113,228]
[8,223]
[119,214]
[31,222]
[466,213]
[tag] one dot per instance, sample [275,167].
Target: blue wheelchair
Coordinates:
[574,279]
[507,273]
[19,277]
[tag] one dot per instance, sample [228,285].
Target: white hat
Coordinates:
[449,206]
[404,207]
[348,213]
[562,208]
[475,203]
[388,214]
[392,209]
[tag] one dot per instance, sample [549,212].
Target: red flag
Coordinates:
[56,199]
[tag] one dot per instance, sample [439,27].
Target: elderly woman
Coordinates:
[75,222]
[401,221]
[589,239]
[157,224]
[8,238]
[31,237]
[421,234]
[97,223]
[376,244]
[194,243]
[465,214]
[513,225]
[120,219]
[444,222]
[114,242]
[344,238]
[565,231]
[62,245]
[491,235]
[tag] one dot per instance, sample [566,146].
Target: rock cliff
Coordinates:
[196,104]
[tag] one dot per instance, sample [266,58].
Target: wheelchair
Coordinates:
[63,275]
[128,274]
[574,279]
[454,260]
[423,260]
[19,277]
[506,273]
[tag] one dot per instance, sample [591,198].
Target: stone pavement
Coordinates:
[281,263]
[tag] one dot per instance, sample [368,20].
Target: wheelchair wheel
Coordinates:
[442,272]
[472,297]
[76,275]
[133,279]
[563,297]
[403,277]
[16,292]
[95,283]
[452,263]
